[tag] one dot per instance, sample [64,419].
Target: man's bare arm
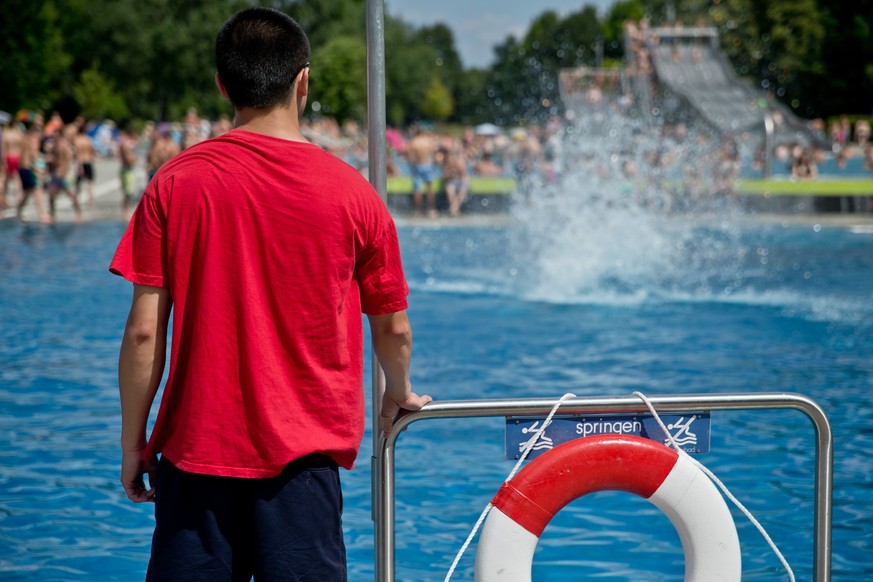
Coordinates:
[392,344]
[140,367]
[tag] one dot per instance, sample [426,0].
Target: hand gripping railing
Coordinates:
[383,486]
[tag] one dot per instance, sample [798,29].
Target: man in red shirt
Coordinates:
[268,250]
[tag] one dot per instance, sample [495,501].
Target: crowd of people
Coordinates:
[46,160]
[445,161]
[849,141]
[839,147]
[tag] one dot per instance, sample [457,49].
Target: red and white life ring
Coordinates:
[525,505]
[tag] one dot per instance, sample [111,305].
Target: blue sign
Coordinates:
[690,430]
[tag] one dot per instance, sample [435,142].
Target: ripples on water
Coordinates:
[62,515]
[487,324]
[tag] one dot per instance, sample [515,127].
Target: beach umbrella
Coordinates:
[488,129]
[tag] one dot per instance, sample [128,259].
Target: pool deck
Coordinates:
[107,207]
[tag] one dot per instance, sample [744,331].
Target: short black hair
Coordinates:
[258,54]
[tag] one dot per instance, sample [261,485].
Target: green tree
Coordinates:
[523,83]
[578,36]
[409,66]
[339,78]
[97,97]
[845,82]
[473,103]
[325,20]
[613,25]
[796,38]
[777,44]
[505,86]
[156,56]
[438,101]
[34,68]
[166,65]
[447,62]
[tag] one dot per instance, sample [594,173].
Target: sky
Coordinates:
[479,25]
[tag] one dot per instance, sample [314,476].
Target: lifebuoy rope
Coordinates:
[721,486]
[535,438]
[527,449]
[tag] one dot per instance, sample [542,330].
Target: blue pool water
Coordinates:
[498,311]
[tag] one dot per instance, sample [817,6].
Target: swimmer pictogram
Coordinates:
[681,431]
[543,444]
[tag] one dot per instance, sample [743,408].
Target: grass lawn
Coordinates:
[819,187]
[478,185]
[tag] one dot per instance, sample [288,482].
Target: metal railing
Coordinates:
[383,459]
[383,500]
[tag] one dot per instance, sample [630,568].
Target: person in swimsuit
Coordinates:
[61,168]
[457,184]
[85,157]
[421,152]
[129,159]
[163,149]
[28,174]
[13,139]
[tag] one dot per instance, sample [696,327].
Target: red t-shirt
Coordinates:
[271,250]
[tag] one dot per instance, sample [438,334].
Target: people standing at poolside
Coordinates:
[455,179]
[163,149]
[104,138]
[85,157]
[13,142]
[53,125]
[192,129]
[30,182]
[267,249]
[421,152]
[221,126]
[528,160]
[803,164]
[62,169]
[129,158]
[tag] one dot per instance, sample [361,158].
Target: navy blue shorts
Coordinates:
[286,528]
[28,179]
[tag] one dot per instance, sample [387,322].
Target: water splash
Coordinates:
[641,215]
[633,216]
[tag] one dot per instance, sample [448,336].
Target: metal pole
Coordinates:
[769,128]
[824,491]
[376,150]
[824,457]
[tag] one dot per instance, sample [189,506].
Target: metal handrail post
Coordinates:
[769,130]
[377,156]
[385,530]
[824,490]
[824,453]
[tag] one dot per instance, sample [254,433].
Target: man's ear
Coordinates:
[221,88]
[301,90]
[303,82]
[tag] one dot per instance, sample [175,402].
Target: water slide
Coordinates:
[690,64]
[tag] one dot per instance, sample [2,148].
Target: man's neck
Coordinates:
[280,122]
